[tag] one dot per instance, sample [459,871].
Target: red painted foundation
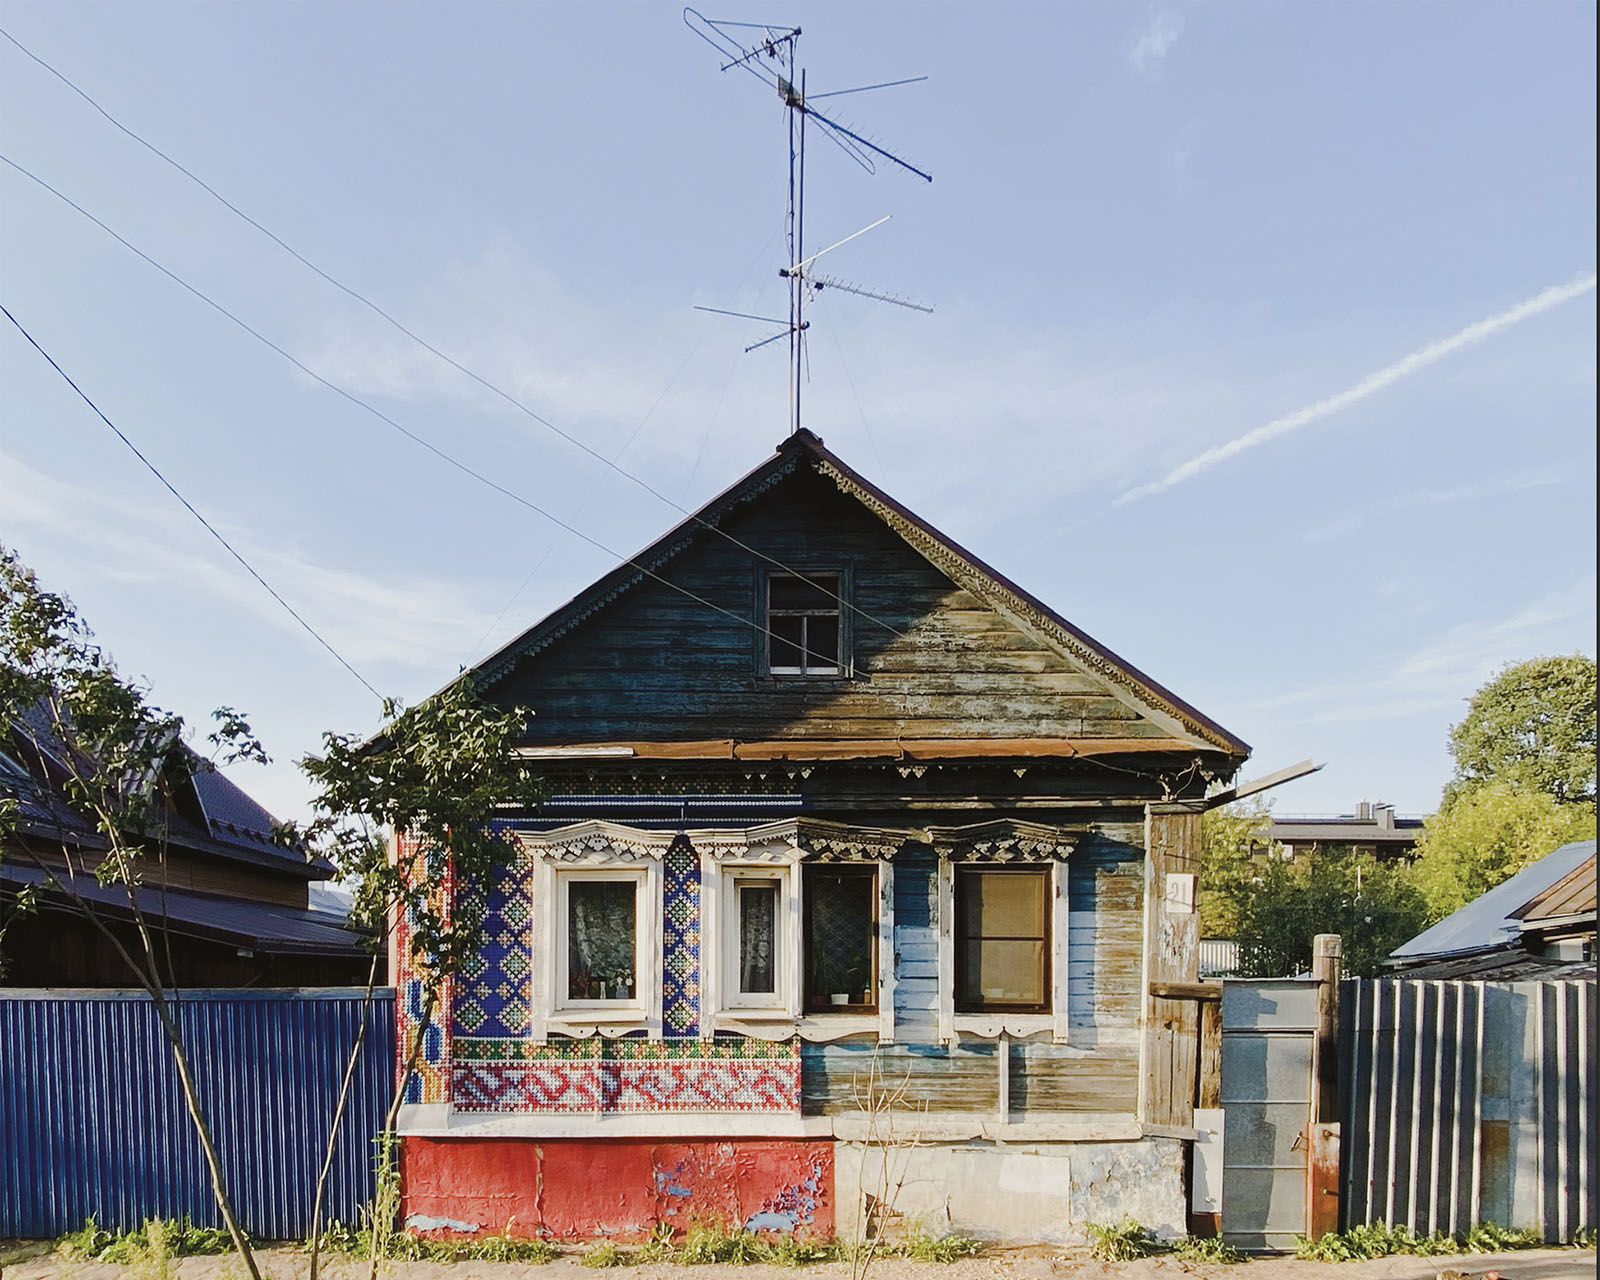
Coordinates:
[572,1189]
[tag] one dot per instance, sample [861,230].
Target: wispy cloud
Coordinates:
[1415,498]
[1154,42]
[416,623]
[1443,672]
[1373,383]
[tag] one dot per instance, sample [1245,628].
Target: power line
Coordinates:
[377,310]
[422,441]
[189,506]
[617,457]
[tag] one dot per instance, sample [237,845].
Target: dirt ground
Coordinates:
[24,1262]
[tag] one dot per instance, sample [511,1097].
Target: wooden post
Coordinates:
[1322,1130]
[1169,1043]
[1208,1089]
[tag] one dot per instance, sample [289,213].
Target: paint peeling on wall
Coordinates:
[617,1188]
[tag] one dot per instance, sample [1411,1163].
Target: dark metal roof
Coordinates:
[1509,963]
[235,827]
[260,926]
[1344,831]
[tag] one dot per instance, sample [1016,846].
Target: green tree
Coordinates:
[1485,834]
[1372,905]
[1233,847]
[435,774]
[1533,726]
[115,759]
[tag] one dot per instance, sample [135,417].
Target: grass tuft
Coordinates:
[918,1246]
[606,1254]
[156,1242]
[1209,1249]
[1122,1241]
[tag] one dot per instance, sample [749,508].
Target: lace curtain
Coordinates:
[600,940]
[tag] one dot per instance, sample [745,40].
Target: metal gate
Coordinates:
[1268,1031]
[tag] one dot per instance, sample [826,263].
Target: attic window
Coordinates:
[803,624]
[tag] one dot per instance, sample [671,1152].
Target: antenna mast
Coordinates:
[772,57]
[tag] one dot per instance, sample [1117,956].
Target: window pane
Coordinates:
[785,641]
[758,926]
[841,928]
[600,939]
[1003,904]
[822,642]
[797,593]
[1003,973]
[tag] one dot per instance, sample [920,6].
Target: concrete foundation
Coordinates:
[1036,1193]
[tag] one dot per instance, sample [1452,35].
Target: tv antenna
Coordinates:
[770,55]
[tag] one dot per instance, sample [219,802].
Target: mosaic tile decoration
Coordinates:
[492,992]
[596,1076]
[429,1081]
[680,941]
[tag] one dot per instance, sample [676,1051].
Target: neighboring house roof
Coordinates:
[1491,920]
[1370,824]
[803,449]
[1572,896]
[266,927]
[231,825]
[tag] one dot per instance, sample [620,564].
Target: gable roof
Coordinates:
[223,821]
[804,450]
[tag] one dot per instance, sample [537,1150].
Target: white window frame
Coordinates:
[1056,1020]
[559,861]
[736,879]
[805,669]
[722,1005]
[632,1005]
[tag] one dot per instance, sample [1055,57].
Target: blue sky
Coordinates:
[1355,242]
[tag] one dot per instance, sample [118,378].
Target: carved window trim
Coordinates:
[990,1024]
[589,851]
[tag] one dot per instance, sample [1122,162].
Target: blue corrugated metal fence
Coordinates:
[92,1117]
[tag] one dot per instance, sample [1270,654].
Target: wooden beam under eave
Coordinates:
[867,749]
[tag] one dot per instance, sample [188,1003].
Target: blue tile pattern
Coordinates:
[492,995]
[680,941]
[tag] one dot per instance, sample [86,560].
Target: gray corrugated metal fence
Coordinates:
[92,1117]
[1469,1102]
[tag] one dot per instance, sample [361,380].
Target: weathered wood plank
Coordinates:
[656,665]
[1043,1079]
[1105,929]
[1170,1047]
[1049,1079]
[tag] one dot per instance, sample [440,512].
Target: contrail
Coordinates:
[1554,296]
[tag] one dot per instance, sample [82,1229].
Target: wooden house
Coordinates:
[835,817]
[231,901]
